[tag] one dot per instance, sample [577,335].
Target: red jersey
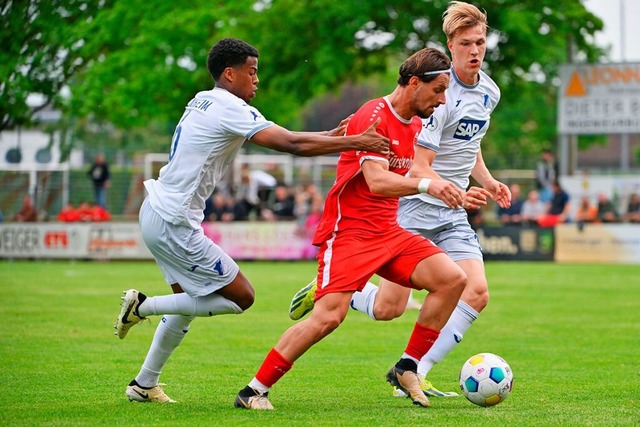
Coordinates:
[350,205]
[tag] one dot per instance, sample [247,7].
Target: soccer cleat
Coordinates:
[427,388]
[129,312]
[409,382]
[250,398]
[136,393]
[303,301]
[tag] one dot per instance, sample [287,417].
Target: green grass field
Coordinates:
[570,333]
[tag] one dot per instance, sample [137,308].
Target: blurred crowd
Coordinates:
[548,204]
[85,212]
[261,197]
[258,196]
[558,209]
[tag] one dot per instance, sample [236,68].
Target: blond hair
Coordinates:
[460,16]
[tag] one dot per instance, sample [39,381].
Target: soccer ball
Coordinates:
[486,379]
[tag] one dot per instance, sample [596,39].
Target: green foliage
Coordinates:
[535,38]
[569,333]
[132,66]
[40,42]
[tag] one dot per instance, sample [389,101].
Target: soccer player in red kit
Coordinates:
[359,236]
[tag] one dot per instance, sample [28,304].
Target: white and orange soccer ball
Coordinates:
[486,379]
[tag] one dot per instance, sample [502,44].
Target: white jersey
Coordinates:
[212,129]
[454,130]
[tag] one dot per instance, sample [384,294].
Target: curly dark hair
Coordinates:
[228,52]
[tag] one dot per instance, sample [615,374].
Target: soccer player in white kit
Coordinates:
[448,148]
[204,279]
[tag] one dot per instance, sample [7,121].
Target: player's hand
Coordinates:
[446,191]
[500,193]
[371,140]
[475,198]
[342,127]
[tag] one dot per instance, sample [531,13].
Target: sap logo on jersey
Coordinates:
[468,128]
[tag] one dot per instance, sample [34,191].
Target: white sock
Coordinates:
[257,385]
[168,336]
[363,300]
[208,305]
[450,336]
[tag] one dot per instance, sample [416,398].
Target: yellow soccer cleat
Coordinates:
[303,301]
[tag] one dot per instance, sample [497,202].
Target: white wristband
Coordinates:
[423,185]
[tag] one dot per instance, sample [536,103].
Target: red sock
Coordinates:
[273,368]
[421,341]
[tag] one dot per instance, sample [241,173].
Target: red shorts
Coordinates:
[347,261]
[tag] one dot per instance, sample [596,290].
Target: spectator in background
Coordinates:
[283,207]
[219,207]
[254,190]
[92,213]
[557,209]
[586,212]
[239,209]
[512,214]
[606,209]
[99,214]
[532,208]
[99,173]
[546,175]
[69,214]
[633,209]
[305,195]
[27,212]
[84,212]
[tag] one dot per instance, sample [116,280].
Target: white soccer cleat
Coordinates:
[249,398]
[136,393]
[427,388]
[409,382]
[129,312]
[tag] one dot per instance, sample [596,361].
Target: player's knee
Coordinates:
[328,323]
[330,327]
[476,297]
[388,311]
[456,282]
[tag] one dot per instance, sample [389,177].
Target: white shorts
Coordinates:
[448,228]
[186,256]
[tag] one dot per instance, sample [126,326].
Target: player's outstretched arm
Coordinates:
[319,143]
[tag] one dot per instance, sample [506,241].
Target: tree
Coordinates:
[40,45]
[139,65]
